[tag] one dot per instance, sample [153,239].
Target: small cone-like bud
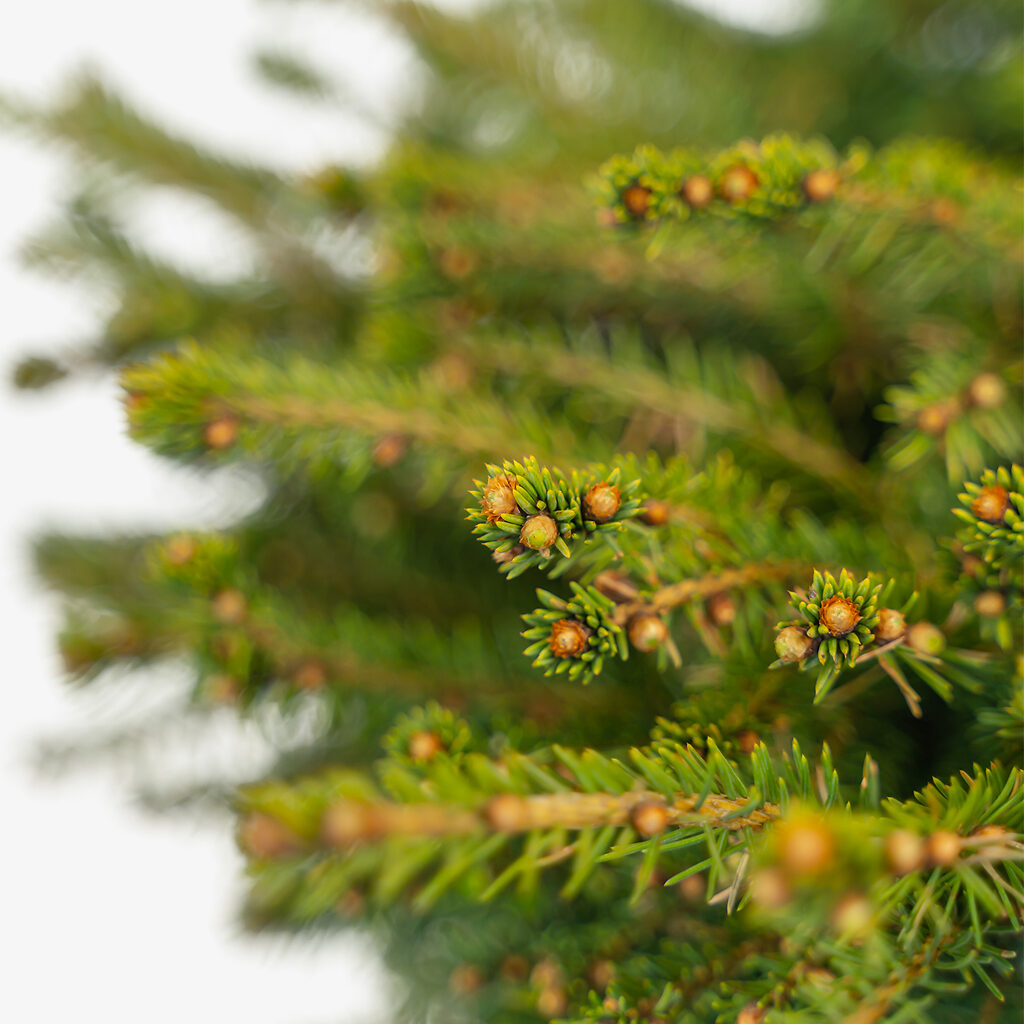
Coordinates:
[552,1002]
[229,606]
[457,262]
[389,449]
[424,745]
[839,615]
[507,812]
[806,845]
[601,502]
[926,638]
[944,848]
[221,432]
[891,625]
[769,888]
[647,632]
[933,419]
[691,889]
[181,549]
[991,504]
[498,498]
[793,644]
[465,980]
[650,818]
[722,609]
[655,512]
[853,916]
[987,391]
[904,851]
[569,638]
[636,199]
[310,675]
[751,1014]
[266,838]
[601,973]
[539,532]
[697,191]
[990,604]
[737,183]
[747,740]
[972,566]
[507,556]
[546,974]
[515,968]
[821,185]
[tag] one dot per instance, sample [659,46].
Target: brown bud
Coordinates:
[655,512]
[552,1002]
[793,644]
[904,851]
[821,185]
[647,632]
[266,838]
[568,638]
[692,888]
[990,604]
[991,504]
[636,199]
[933,419]
[310,675]
[839,615]
[539,532]
[853,916]
[181,549]
[346,822]
[751,1014]
[229,606]
[507,556]
[747,740]
[423,746]
[546,974]
[650,818]
[943,848]
[601,973]
[498,498]
[465,980]
[615,585]
[891,625]
[926,638]
[508,812]
[697,191]
[389,449]
[986,391]
[737,183]
[972,566]
[722,609]
[806,845]
[221,432]
[769,888]
[601,502]
[457,262]
[515,968]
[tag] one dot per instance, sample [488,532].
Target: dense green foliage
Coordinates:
[720,397]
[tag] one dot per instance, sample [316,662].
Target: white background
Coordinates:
[109,914]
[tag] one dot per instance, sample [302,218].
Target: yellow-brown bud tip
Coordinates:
[647,632]
[806,846]
[944,848]
[839,615]
[891,625]
[990,604]
[221,432]
[650,818]
[539,532]
[424,745]
[821,185]
[601,502]
[991,504]
[569,638]
[904,851]
[697,191]
[636,199]
[498,498]
[737,183]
